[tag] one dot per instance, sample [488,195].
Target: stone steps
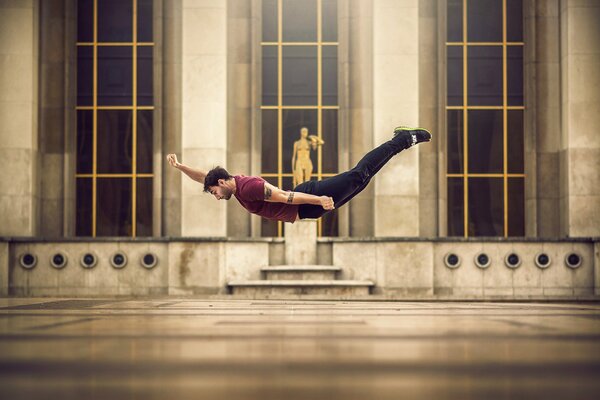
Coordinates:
[267,288]
[300,272]
[301,277]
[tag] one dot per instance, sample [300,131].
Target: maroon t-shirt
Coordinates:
[250,192]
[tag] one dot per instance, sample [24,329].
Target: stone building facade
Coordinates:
[393,66]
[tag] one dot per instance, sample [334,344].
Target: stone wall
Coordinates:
[396,102]
[204,111]
[19,149]
[579,156]
[400,268]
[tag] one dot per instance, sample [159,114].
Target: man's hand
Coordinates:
[172,159]
[327,202]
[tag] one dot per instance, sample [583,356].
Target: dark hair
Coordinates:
[213,176]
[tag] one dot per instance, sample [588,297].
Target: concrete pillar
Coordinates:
[204,111]
[580,99]
[3,268]
[19,155]
[301,243]
[542,94]
[597,268]
[239,101]
[171,117]
[52,116]
[396,102]
[428,116]
[360,90]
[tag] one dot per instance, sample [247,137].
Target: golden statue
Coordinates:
[301,164]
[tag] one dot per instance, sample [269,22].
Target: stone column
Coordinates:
[301,243]
[19,155]
[579,158]
[4,268]
[428,116]
[239,128]
[171,114]
[204,111]
[542,96]
[52,116]
[360,90]
[396,102]
[597,268]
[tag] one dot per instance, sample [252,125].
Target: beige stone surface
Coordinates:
[18,118]
[397,64]
[547,178]
[397,177]
[301,242]
[497,275]
[16,29]
[16,212]
[204,30]
[203,216]
[204,116]
[4,262]
[358,261]
[15,118]
[586,34]
[528,275]
[204,4]
[407,265]
[597,268]
[583,276]
[194,265]
[396,215]
[580,54]
[205,349]
[468,275]
[585,216]
[204,123]
[584,164]
[243,261]
[557,275]
[396,23]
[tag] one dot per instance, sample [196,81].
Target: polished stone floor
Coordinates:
[185,348]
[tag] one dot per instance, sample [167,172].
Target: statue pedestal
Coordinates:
[301,243]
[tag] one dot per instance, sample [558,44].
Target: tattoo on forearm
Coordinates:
[267,193]
[290,197]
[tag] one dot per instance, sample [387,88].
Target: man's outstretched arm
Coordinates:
[275,195]
[195,174]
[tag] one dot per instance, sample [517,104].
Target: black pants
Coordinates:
[343,187]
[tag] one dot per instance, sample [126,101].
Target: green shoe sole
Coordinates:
[407,128]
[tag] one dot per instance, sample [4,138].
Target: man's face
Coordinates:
[221,191]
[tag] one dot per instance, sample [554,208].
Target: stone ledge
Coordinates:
[300,283]
[163,239]
[367,239]
[371,239]
[300,268]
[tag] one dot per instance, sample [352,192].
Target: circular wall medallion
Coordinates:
[482,260]
[543,260]
[149,260]
[59,260]
[512,260]
[573,260]
[28,260]
[89,260]
[452,260]
[118,260]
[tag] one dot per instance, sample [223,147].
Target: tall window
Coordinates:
[114,118]
[299,90]
[485,170]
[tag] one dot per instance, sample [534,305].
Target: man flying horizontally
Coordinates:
[310,199]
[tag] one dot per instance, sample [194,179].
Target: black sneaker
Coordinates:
[413,135]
